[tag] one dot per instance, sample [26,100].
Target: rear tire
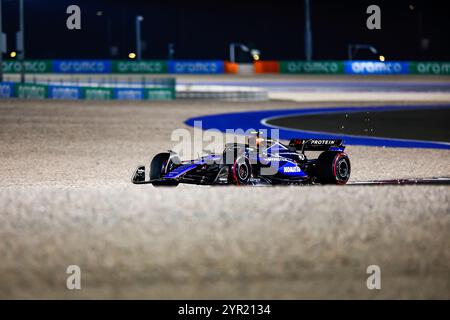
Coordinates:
[159,166]
[333,168]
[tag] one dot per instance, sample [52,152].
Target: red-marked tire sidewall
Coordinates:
[333,168]
[241,171]
[340,161]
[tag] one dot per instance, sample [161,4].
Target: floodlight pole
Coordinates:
[1,44]
[22,44]
[308,33]
[138,37]
[233,50]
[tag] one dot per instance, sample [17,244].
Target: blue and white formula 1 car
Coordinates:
[260,161]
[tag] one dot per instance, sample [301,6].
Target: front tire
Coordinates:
[160,165]
[241,171]
[333,168]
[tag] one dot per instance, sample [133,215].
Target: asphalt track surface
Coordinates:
[66,198]
[368,136]
[426,124]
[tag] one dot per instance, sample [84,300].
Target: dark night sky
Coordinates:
[203,30]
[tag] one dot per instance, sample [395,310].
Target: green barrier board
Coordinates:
[31,66]
[436,68]
[160,94]
[145,66]
[31,91]
[93,93]
[313,67]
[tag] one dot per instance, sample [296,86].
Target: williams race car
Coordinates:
[259,161]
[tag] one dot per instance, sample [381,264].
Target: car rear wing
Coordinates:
[317,144]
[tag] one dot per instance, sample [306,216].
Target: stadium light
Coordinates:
[256,54]
[233,50]
[139,19]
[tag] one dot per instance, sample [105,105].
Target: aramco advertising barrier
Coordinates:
[314,67]
[42,91]
[220,67]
